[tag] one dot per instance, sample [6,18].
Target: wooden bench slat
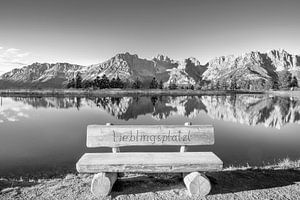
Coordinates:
[137,135]
[145,162]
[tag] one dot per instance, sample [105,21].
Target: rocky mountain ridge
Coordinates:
[251,66]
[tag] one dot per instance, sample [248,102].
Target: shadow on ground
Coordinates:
[147,183]
[244,180]
[222,182]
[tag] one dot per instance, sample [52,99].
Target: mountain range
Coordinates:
[250,66]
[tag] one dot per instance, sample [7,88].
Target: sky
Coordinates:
[91,31]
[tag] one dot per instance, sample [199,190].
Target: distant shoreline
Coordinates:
[116,92]
[135,92]
[286,93]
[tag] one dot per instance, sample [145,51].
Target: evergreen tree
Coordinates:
[119,83]
[78,81]
[161,84]
[275,85]
[113,83]
[104,82]
[294,82]
[87,84]
[127,84]
[202,85]
[217,86]
[71,83]
[233,84]
[172,86]
[153,84]
[96,82]
[212,85]
[154,100]
[137,84]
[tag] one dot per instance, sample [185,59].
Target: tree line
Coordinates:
[104,82]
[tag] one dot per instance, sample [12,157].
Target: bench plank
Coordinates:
[145,162]
[137,135]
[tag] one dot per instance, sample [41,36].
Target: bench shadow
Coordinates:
[146,183]
[222,182]
[251,179]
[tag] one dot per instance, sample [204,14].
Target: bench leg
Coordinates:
[197,184]
[102,183]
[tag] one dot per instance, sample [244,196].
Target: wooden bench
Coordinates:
[107,165]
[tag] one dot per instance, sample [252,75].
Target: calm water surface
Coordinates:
[49,132]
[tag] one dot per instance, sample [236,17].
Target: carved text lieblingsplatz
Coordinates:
[157,138]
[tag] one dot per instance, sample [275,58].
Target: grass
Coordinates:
[288,164]
[285,163]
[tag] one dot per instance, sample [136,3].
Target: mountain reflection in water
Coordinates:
[270,111]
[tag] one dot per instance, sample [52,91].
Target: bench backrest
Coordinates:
[137,135]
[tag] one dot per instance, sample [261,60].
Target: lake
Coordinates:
[48,133]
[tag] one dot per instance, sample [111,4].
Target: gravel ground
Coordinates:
[231,184]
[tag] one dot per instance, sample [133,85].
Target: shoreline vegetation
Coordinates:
[270,182]
[122,92]
[140,92]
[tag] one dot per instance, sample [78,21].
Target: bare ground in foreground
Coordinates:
[228,184]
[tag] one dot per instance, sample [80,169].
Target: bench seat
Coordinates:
[145,162]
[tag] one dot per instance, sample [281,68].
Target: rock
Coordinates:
[16,191]
[180,78]
[69,176]
[7,190]
[283,60]
[43,74]
[252,66]
[3,180]
[163,58]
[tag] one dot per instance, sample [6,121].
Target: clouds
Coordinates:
[12,111]
[12,50]
[22,55]
[11,58]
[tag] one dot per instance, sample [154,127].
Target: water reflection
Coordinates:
[13,111]
[270,111]
[254,109]
[51,131]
